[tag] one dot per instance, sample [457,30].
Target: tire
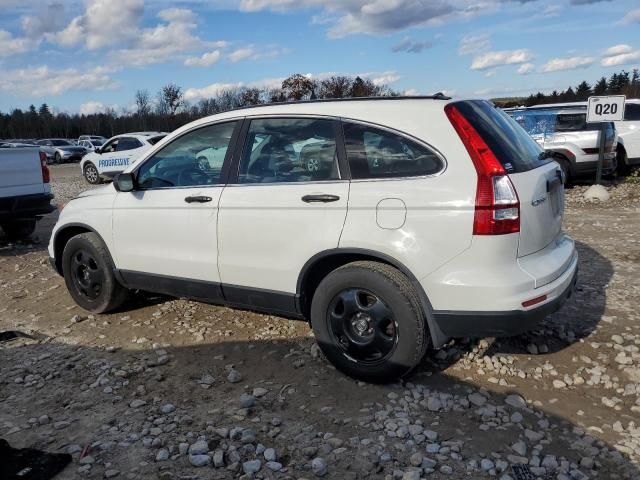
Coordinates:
[91,174]
[566,169]
[622,167]
[88,273]
[58,158]
[19,229]
[351,342]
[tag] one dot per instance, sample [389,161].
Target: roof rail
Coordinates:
[435,96]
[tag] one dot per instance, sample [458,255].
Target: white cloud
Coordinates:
[496,59]
[163,42]
[48,19]
[381,78]
[205,60]
[252,52]
[89,108]
[411,92]
[10,45]
[526,68]
[632,17]
[621,59]
[617,50]
[408,45]
[104,23]
[571,63]
[42,81]
[474,43]
[241,54]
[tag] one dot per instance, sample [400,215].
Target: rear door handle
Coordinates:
[321,198]
[198,199]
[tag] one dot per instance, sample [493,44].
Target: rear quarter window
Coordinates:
[509,142]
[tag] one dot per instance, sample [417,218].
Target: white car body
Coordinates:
[111,158]
[254,244]
[629,132]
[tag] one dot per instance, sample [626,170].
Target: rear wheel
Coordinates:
[565,166]
[91,173]
[368,321]
[622,167]
[88,274]
[58,158]
[19,229]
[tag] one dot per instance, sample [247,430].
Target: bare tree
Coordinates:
[336,86]
[143,103]
[172,98]
[297,87]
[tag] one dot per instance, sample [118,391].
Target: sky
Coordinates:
[88,55]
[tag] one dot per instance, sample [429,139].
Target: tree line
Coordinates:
[168,109]
[620,83]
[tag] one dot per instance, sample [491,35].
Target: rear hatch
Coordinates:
[20,172]
[536,178]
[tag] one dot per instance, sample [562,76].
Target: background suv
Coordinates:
[563,131]
[392,224]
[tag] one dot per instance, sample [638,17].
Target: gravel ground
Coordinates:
[170,388]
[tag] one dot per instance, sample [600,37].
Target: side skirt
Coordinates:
[261,300]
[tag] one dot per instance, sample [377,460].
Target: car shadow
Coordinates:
[577,319]
[37,242]
[88,394]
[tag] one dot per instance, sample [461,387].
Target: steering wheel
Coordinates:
[192,176]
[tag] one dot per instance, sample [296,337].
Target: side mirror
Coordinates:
[124,182]
[97,150]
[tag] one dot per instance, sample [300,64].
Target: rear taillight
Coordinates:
[497,210]
[46,176]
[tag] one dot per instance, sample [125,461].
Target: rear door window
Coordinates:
[514,148]
[632,112]
[376,153]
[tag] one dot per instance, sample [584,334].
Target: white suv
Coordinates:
[629,136]
[117,153]
[391,224]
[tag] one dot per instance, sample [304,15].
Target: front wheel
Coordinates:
[88,273]
[368,321]
[91,174]
[19,229]
[622,167]
[58,158]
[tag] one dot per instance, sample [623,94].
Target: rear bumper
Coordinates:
[507,323]
[581,167]
[26,206]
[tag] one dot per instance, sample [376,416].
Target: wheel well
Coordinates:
[61,239]
[314,272]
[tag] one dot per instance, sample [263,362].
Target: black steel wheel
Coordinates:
[368,321]
[89,274]
[362,325]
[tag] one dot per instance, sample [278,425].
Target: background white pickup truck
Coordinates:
[25,193]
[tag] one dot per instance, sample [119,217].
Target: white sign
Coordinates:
[606,109]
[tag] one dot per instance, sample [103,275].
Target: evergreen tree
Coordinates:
[601,87]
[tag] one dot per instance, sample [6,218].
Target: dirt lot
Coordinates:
[174,389]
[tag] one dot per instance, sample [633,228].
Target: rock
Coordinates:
[137,403]
[516,417]
[549,462]
[167,408]
[111,473]
[532,349]
[596,193]
[44,420]
[416,459]
[218,458]
[270,455]
[247,401]
[520,448]
[88,460]
[162,455]
[199,460]
[78,319]
[411,475]
[259,392]
[319,467]
[434,404]
[251,467]
[201,447]
[486,464]
[234,376]
[477,399]
[516,401]
[274,466]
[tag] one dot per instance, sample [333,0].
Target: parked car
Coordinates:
[25,193]
[15,145]
[60,150]
[92,137]
[91,145]
[566,135]
[629,136]
[117,154]
[432,219]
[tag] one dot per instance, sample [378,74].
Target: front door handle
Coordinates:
[321,198]
[198,199]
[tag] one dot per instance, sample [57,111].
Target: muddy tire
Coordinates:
[368,321]
[89,274]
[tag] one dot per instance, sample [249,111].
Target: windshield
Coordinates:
[154,140]
[547,122]
[61,143]
[97,143]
